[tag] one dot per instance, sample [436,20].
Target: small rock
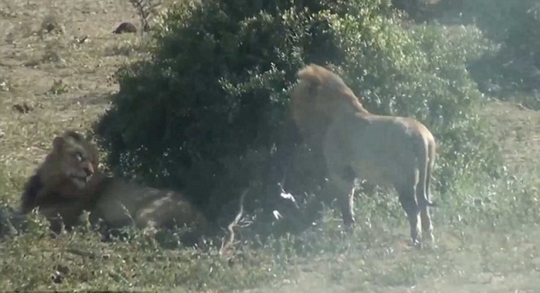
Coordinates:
[62,269]
[49,26]
[23,108]
[125,27]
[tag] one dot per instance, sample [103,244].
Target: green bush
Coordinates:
[208,112]
[512,24]
[416,9]
[516,66]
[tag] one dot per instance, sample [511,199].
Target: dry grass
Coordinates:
[61,83]
[63,80]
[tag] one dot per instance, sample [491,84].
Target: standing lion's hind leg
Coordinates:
[427,226]
[407,198]
[423,196]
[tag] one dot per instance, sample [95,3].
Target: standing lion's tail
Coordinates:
[425,151]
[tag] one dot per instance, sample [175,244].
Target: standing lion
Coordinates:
[357,144]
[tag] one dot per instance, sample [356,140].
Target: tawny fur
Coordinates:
[56,191]
[122,203]
[384,150]
[63,183]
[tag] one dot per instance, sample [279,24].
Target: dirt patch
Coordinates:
[517,130]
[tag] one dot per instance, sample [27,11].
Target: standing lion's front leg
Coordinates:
[344,185]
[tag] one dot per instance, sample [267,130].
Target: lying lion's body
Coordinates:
[57,192]
[384,150]
[122,203]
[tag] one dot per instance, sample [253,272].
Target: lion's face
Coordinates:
[313,107]
[320,92]
[77,163]
[79,170]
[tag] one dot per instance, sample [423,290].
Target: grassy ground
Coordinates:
[487,242]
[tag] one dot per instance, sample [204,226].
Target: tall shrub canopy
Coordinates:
[208,111]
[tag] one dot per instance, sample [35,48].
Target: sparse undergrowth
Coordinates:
[490,235]
[78,261]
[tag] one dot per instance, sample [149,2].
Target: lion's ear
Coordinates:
[58,143]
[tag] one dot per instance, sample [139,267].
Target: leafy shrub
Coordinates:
[208,112]
[513,24]
[206,108]
[517,64]
[416,9]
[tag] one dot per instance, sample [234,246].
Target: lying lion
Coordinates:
[356,144]
[68,182]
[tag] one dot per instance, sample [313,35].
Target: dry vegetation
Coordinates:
[50,80]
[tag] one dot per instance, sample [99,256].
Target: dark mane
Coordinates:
[34,185]
[74,135]
[323,78]
[31,189]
